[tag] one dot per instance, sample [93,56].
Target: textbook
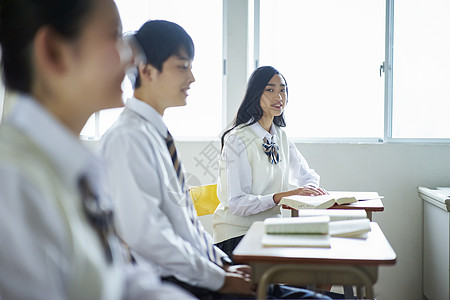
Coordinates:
[350,228]
[334,214]
[296,240]
[326,201]
[310,225]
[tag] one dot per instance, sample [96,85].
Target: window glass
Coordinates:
[330,53]
[421,69]
[202,115]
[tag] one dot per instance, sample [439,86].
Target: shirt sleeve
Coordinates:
[135,186]
[143,283]
[239,178]
[33,242]
[299,172]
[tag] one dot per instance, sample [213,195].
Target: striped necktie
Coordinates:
[203,239]
[101,217]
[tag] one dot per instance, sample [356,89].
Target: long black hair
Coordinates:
[250,110]
[19,22]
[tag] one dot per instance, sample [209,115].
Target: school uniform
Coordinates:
[152,214]
[248,180]
[49,249]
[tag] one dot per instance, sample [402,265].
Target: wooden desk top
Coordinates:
[368,205]
[375,250]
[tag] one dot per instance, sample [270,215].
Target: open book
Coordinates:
[350,228]
[310,225]
[326,201]
[296,240]
[314,231]
[297,232]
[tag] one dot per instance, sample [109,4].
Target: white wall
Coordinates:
[393,170]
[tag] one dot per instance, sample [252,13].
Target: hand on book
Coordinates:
[302,191]
[309,190]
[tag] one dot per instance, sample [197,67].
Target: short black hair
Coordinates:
[19,22]
[250,110]
[159,40]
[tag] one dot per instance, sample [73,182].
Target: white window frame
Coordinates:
[241,42]
[388,89]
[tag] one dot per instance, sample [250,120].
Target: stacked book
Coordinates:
[313,228]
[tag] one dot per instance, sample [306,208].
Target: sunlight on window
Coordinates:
[202,115]
[330,52]
[421,69]
[88,131]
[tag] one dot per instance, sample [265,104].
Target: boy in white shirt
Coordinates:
[155,215]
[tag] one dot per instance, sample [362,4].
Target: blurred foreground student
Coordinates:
[156,216]
[57,238]
[259,165]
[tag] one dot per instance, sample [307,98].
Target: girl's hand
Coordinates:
[309,191]
[302,191]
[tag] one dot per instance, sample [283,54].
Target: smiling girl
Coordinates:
[258,164]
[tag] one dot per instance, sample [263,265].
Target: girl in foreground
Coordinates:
[65,60]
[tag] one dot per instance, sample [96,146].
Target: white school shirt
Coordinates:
[239,173]
[48,250]
[151,213]
[247,181]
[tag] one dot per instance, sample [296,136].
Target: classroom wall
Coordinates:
[393,170]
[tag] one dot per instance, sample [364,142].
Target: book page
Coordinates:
[296,240]
[349,228]
[334,214]
[299,202]
[326,201]
[359,196]
[311,225]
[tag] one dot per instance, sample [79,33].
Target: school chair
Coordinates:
[205,202]
[204,198]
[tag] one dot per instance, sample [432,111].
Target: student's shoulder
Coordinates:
[236,135]
[281,133]
[126,131]
[279,129]
[15,145]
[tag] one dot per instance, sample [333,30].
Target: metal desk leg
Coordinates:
[277,273]
[348,292]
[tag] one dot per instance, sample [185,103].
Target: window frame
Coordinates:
[233,78]
[388,87]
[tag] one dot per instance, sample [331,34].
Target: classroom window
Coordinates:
[202,19]
[421,69]
[330,53]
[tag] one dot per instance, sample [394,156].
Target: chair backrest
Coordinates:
[205,198]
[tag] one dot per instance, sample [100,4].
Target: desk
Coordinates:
[348,261]
[370,206]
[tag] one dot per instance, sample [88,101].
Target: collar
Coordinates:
[262,133]
[148,113]
[70,158]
